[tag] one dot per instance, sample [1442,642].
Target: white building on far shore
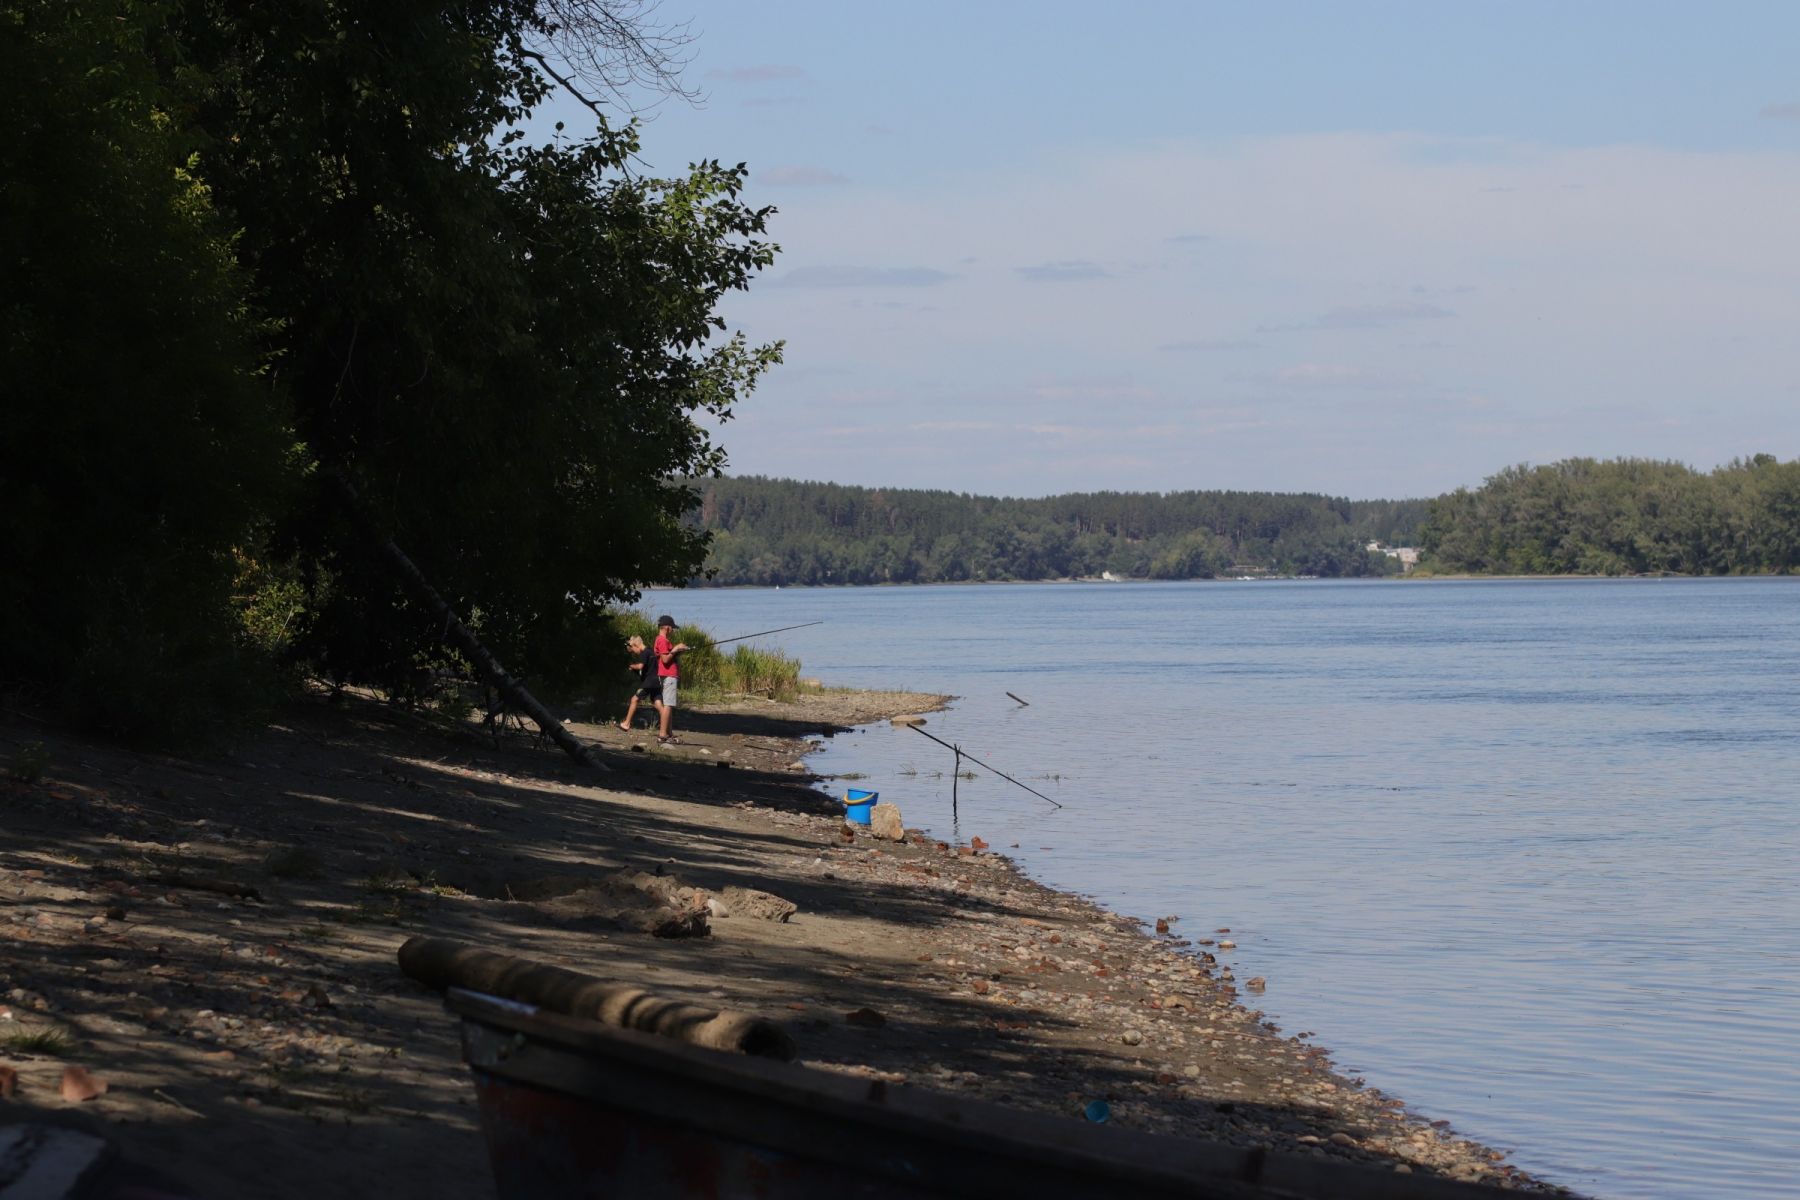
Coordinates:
[1408,555]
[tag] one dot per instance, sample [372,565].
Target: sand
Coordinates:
[214,940]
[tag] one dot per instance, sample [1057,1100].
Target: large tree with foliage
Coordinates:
[228,215]
[503,344]
[142,445]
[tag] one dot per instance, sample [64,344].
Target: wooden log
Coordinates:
[443,963]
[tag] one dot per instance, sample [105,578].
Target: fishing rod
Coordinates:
[962,754]
[765,633]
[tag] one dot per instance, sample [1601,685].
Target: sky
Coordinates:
[1367,249]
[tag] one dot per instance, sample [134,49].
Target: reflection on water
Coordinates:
[1521,852]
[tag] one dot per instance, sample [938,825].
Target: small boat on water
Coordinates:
[573,1107]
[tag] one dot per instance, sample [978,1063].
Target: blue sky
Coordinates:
[1369,249]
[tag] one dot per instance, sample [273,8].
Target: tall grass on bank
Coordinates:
[763,673]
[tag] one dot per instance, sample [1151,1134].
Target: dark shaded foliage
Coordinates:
[251,248]
[140,448]
[503,345]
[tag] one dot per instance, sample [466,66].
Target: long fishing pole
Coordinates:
[765,633]
[961,754]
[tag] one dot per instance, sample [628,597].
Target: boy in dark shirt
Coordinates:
[643,661]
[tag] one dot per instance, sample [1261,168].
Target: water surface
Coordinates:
[1522,852]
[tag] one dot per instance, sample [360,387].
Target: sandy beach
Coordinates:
[213,940]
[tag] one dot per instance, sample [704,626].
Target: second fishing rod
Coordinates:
[957,773]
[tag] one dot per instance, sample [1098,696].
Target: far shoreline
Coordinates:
[1410,577]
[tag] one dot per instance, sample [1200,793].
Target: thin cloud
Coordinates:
[1188,239]
[1207,345]
[1380,316]
[766,73]
[851,277]
[1062,272]
[801,176]
[1329,375]
[1093,391]
[1782,112]
[953,426]
[1366,316]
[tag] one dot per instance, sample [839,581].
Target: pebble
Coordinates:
[1132,1037]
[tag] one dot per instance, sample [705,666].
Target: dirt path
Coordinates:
[266,1044]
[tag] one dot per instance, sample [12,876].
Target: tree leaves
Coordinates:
[233,230]
[505,344]
[1620,517]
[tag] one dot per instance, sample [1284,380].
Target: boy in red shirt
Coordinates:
[668,670]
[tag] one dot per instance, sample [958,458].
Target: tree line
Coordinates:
[1625,516]
[1582,516]
[777,531]
[287,283]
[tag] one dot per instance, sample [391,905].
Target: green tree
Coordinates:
[1198,555]
[506,347]
[142,448]
[1623,516]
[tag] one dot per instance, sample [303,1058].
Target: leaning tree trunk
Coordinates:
[462,637]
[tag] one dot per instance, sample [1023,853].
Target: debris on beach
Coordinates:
[748,902]
[79,1085]
[885,822]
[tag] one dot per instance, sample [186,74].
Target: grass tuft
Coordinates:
[390,880]
[53,1042]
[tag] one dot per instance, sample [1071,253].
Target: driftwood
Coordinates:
[442,963]
[462,637]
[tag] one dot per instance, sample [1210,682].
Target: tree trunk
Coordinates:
[463,638]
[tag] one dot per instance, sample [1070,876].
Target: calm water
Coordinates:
[1522,853]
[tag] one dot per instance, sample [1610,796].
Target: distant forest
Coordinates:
[1622,517]
[1581,516]
[780,531]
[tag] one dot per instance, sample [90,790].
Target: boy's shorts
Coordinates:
[668,691]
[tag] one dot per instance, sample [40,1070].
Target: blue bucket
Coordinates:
[857,804]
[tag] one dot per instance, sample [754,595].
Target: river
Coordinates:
[1522,852]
